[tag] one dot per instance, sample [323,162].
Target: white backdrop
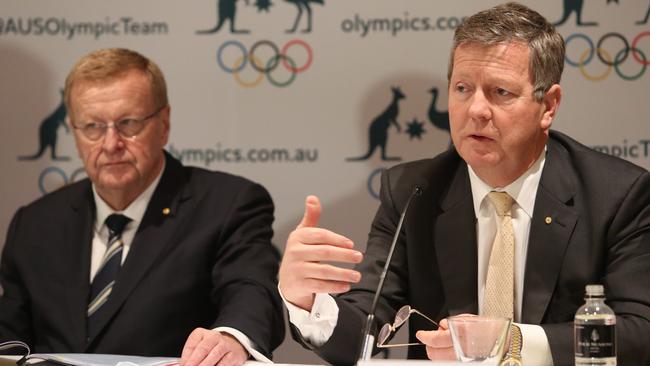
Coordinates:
[295,139]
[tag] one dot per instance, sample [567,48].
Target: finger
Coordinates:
[190,344]
[441,354]
[328,272]
[435,338]
[439,344]
[237,356]
[203,348]
[312,212]
[227,360]
[215,355]
[323,252]
[314,236]
[230,359]
[444,324]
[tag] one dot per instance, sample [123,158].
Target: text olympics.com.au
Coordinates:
[395,25]
[219,154]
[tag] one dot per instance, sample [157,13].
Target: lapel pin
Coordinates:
[548,220]
[165,211]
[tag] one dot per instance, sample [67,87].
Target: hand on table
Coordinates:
[205,347]
[302,273]
[438,342]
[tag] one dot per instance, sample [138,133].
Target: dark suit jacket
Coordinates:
[600,233]
[209,262]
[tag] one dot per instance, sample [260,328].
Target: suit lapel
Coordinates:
[551,227]
[155,232]
[455,243]
[78,234]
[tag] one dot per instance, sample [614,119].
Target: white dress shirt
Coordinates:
[317,327]
[135,211]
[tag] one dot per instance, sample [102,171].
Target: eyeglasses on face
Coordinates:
[127,127]
[400,318]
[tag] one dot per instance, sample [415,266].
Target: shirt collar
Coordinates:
[135,211]
[523,190]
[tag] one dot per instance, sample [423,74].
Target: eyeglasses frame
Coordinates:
[114,124]
[393,327]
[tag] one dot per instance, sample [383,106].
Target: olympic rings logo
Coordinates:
[606,58]
[373,182]
[280,58]
[53,178]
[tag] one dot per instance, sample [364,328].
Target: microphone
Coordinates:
[368,338]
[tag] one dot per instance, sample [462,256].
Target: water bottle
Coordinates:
[594,330]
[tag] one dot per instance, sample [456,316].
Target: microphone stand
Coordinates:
[369,339]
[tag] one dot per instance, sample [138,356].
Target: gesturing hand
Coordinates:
[302,273]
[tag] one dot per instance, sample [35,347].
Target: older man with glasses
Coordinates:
[145,257]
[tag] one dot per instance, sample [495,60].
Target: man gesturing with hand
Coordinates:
[513,208]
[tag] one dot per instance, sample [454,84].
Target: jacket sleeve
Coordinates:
[15,318]
[245,270]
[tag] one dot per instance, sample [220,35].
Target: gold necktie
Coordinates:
[499,285]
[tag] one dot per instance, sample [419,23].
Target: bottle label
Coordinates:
[595,340]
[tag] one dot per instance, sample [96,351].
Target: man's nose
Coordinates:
[479,108]
[112,139]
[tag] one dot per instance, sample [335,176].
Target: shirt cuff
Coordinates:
[317,326]
[535,350]
[246,342]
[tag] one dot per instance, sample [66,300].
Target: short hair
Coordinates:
[513,22]
[109,63]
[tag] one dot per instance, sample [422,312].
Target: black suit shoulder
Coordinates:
[200,179]
[587,160]
[50,203]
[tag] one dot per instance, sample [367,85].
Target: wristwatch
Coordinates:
[513,356]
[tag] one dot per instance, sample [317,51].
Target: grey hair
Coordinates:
[513,22]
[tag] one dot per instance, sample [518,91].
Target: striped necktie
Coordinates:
[102,284]
[499,285]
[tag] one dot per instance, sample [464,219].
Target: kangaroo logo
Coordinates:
[227,11]
[303,4]
[47,135]
[574,6]
[645,20]
[378,131]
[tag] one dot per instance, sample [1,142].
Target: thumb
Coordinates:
[312,213]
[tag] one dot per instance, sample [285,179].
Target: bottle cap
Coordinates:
[595,290]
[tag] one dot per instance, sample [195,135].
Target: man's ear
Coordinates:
[551,104]
[164,117]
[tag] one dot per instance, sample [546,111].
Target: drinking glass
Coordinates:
[478,339]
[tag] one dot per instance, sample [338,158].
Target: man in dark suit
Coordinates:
[146,257]
[577,217]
